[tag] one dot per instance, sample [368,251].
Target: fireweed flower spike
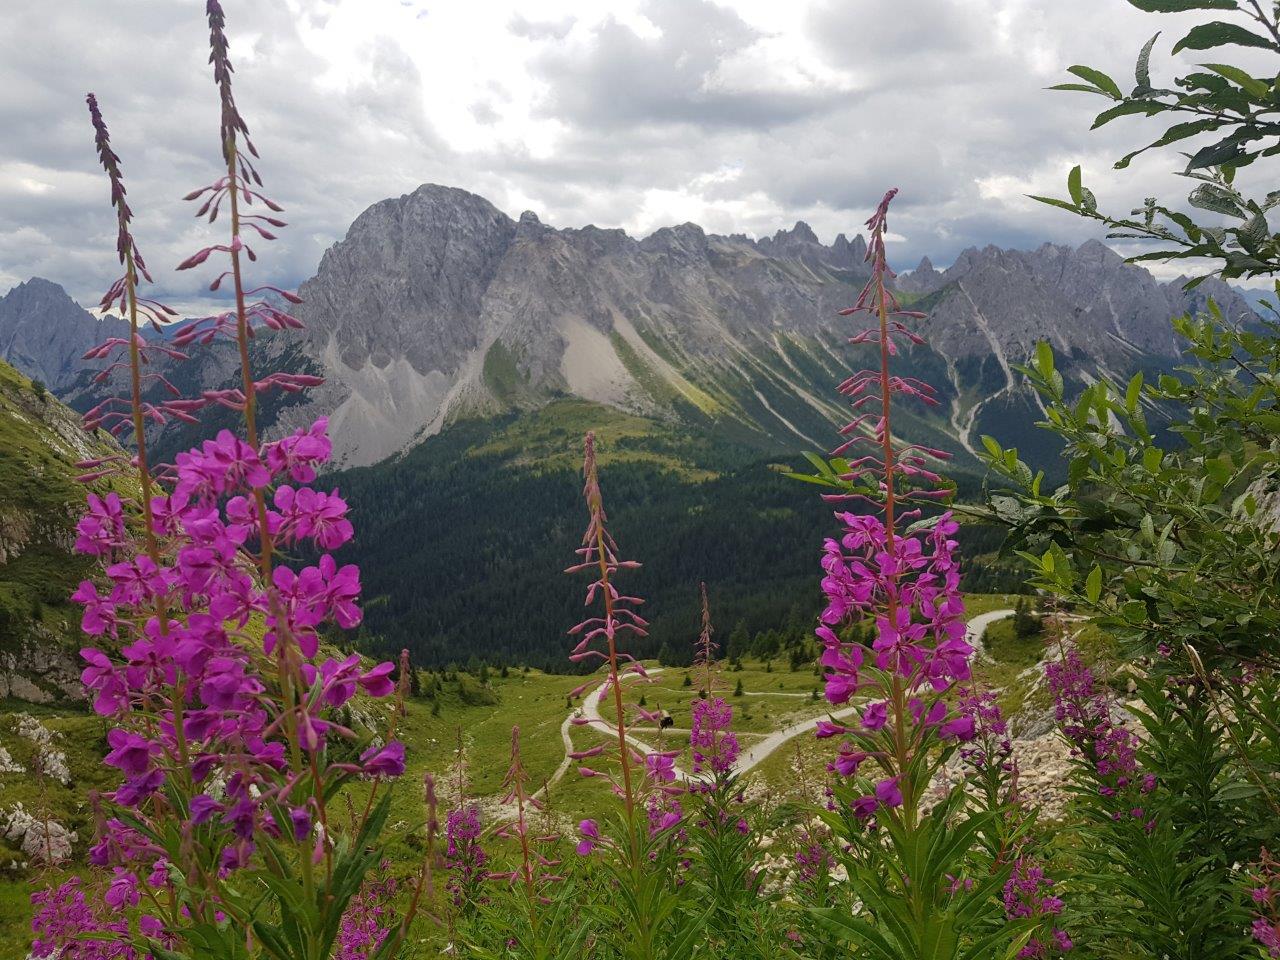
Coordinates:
[223,769]
[599,556]
[905,586]
[704,657]
[713,744]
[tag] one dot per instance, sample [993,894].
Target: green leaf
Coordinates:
[1078,88]
[855,930]
[1142,72]
[1251,85]
[1100,79]
[1255,232]
[1218,34]
[1093,584]
[1064,204]
[1179,6]
[1227,151]
[1044,355]
[1213,198]
[1179,131]
[1125,109]
[1074,186]
[1239,790]
[1132,393]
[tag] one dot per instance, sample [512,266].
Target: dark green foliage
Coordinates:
[1026,623]
[1221,118]
[457,526]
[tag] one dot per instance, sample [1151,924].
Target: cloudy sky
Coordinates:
[740,115]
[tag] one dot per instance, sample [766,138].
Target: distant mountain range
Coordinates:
[438,307]
[465,354]
[44,333]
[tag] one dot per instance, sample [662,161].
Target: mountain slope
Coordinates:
[44,333]
[438,307]
[40,501]
[462,541]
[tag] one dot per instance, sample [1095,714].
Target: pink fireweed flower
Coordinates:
[464,857]
[590,837]
[222,464]
[387,761]
[660,767]
[312,514]
[300,453]
[1027,896]
[713,744]
[1083,712]
[101,532]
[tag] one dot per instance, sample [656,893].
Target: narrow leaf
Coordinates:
[1100,79]
[1219,34]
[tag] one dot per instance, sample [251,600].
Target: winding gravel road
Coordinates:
[759,751]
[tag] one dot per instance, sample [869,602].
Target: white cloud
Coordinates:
[742,115]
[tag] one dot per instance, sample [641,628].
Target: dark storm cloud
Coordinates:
[643,115]
[623,79]
[147,64]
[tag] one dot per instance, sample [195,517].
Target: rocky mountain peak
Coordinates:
[44,333]
[437,305]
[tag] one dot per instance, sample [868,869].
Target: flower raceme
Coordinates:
[893,636]
[713,743]
[1027,896]
[1083,711]
[618,618]
[464,857]
[224,709]
[905,586]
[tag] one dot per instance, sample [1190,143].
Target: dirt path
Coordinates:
[762,749]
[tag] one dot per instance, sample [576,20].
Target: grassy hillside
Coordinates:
[40,441]
[478,712]
[462,541]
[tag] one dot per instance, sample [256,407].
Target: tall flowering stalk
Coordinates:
[640,847]
[1106,749]
[906,583]
[536,868]
[704,657]
[722,848]
[226,770]
[618,616]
